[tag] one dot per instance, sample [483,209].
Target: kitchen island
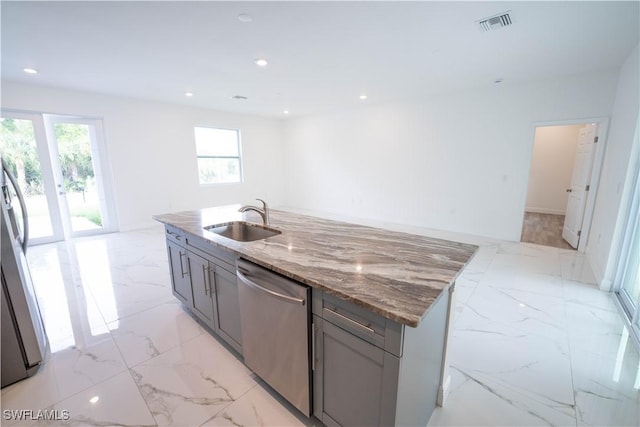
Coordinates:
[381,303]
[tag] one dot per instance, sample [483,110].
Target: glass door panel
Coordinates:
[23,146]
[627,280]
[79,186]
[78,158]
[630,280]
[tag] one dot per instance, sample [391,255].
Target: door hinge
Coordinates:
[587,188]
[595,140]
[579,233]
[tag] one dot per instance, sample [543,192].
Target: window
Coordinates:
[218,152]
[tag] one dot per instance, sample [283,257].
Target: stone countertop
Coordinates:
[396,275]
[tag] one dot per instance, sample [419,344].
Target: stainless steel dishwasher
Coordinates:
[275,314]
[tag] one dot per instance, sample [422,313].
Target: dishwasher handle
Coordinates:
[254,285]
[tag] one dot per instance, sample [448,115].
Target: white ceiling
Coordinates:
[322,55]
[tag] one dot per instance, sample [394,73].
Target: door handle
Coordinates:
[62,193]
[254,285]
[569,190]
[184,273]
[350,321]
[204,276]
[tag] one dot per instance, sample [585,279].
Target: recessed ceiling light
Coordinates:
[285,112]
[30,70]
[189,94]
[245,17]
[363,96]
[498,80]
[239,97]
[261,62]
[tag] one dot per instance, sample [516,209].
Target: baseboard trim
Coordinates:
[598,273]
[544,211]
[443,391]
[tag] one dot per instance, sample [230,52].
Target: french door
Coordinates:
[628,274]
[59,164]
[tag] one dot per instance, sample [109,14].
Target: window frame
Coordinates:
[239,156]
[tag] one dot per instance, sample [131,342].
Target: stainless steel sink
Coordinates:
[242,231]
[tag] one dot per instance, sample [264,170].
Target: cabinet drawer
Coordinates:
[214,253]
[375,329]
[174,235]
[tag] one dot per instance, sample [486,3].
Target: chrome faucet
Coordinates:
[264,212]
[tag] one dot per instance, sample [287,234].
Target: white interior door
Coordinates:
[579,185]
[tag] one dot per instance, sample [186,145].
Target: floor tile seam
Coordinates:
[527,290]
[560,300]
[527,394]
[131,370]
[74,394]
[94,299]
[569,351]
[589,306]
[526,334]
[60,353]
[172,301]
[230,403]
[538,335]
[160,353]
[168,301]
[146,404]
[122,356]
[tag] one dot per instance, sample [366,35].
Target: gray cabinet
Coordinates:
[228,305]
[203,303]
[355,381]
[371,371]
[203,278]
[180,282]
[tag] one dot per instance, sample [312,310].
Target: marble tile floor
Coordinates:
[534,342]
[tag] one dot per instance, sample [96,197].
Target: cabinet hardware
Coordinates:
[351,321]
[182,272]
[212,285]
[313,346]
[204,276]
[174,235]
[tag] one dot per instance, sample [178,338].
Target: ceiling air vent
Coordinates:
[495,22]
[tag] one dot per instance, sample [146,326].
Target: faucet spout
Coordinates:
[264,212]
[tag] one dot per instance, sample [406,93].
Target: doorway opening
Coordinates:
[59,164]
[565,169]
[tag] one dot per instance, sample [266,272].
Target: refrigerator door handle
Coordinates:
[23,206]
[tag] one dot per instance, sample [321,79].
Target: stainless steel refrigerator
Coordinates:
[24,340]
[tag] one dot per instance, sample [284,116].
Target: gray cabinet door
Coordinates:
[180,283]
[355,381]
[201,288]
[228,307]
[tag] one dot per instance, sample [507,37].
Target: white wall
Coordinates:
[152,150]
[457,162]
[608,218]
[554,152]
